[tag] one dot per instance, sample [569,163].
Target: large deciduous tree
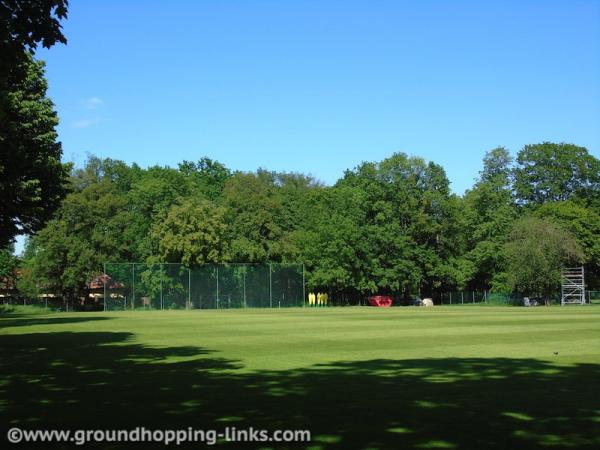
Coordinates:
[254,214]
[584,224]
[535,253]
[90,228]
[191,232]
[208,176]
[556,172]
[32,177]
[393,228]
[489,215]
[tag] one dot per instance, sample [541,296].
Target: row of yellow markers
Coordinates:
[318,299]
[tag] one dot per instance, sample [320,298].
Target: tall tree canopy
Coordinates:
[32,178]
[191,232]
[489,212]
[89,229]
[400,216]
[26,24]
[551,172]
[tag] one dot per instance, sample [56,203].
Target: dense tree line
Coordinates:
[392,226]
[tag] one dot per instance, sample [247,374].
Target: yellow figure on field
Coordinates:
[319,298]
[325,298]
[311,298]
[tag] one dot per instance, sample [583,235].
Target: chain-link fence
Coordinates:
[211,286]
[592,297]
[460,297]
[499,299]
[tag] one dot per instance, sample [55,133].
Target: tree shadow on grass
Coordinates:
[108,381]
[25,320]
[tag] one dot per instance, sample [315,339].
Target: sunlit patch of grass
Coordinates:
[436,443]
[230,419]
[425,404]
[518,416]
[399,430]
[553,440]
[327,438]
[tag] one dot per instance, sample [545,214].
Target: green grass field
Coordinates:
[448,377]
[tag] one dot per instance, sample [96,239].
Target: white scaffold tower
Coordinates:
[572,286]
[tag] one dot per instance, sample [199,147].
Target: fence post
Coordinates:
[133,286]
[462,298]
[189,288]
[162,269]
[270,288]
[244,285]
[450,297]
[104,279]
[303,288]
[217,299]
[473,294]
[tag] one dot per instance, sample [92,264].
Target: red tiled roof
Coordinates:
[99,282]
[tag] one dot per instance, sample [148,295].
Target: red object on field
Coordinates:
[384,301]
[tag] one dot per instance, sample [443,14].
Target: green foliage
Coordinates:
[489,212]
[208,176]
[97,170]
[584,224]
[27,284]
[391,229]
[26,24]
[334,248]
[8,265]
[32,178]
[253,216]
[535,253]
[192,232]
[556,172]
[89,229]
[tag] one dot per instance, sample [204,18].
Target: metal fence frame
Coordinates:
[163,268]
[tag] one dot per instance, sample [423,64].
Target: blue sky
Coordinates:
[319,86]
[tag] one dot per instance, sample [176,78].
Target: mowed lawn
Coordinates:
[473,377]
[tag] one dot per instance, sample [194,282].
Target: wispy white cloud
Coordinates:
[93,103]
[84,123]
